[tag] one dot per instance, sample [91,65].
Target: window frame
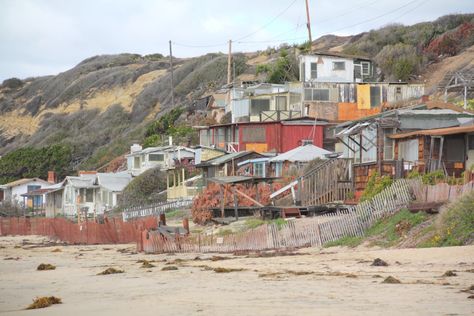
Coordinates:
[313,72]
[339,63]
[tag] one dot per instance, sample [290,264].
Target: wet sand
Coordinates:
[334,281]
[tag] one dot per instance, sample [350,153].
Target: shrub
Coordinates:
[433,177]
[12,83]
[375,185]
[398,61]
[144,188]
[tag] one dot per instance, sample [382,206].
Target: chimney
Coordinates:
[135,148]
[170,140]
[51,177]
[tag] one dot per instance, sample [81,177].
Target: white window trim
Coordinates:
[362,68]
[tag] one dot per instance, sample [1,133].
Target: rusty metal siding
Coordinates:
[292,136]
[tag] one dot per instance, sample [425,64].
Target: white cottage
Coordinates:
[140,160]
[333,67]
[88,193]
[13,192]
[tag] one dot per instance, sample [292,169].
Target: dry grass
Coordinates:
[45,266]
[110,271]
[391,280]
[226,270]
[169,268]
[45,301]
[449,273]
[146,264]
[56,250]
[379,263]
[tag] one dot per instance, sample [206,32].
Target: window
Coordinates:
[369,142]
[374,96]
[316,94]
[387,144]
[454,149]
[280,103]
[303,72]
[339,65]
[220,137]
[278,169]
[254,134]
[471,142]
[156,157]
[89,195]
[259,169]
[408,150]
[357,72]
[259,105]
[321,94]
[365,68]
[204,137]
[136,162]
[314,70]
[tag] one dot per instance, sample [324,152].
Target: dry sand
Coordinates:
[339,282]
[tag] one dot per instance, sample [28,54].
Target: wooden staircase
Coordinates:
[327,182]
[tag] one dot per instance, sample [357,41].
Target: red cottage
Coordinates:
[263,137]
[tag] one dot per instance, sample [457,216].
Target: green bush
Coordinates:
[398,61]
[375,185]
[433,177]
[30,162]
[455,226]
[144,188]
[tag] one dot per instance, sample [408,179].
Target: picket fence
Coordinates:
[308,232]
[154,209]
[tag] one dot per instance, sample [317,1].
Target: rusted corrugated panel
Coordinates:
[350,111]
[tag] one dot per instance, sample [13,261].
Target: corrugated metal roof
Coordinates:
[436,132]
[114,182]
[302,153]
[226,158]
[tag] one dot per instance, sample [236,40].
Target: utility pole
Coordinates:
[308,25]
[172,79]
[229,64]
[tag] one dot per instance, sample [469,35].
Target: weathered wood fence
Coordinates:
[328,182]
[154,209]
[441,192]
[315,231]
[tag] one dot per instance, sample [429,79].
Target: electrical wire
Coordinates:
[267,24]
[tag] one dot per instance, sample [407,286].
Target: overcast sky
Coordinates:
[43,37]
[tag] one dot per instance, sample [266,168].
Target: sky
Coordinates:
[46,37]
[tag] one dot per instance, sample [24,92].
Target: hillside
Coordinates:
[98,108]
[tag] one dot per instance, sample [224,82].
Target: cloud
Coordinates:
[41,37]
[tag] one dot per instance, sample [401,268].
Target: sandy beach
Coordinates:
[332,281]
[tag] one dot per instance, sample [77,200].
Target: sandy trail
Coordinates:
[339,282]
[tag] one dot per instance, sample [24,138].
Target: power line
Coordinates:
[377,17]
[348,11]
[268,23]
[199,46]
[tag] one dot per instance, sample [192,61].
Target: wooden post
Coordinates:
[229,64]
[186,225]
[236,204]
[221,191]
[162,219]
[441,141]
[308,25]
[172,79]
